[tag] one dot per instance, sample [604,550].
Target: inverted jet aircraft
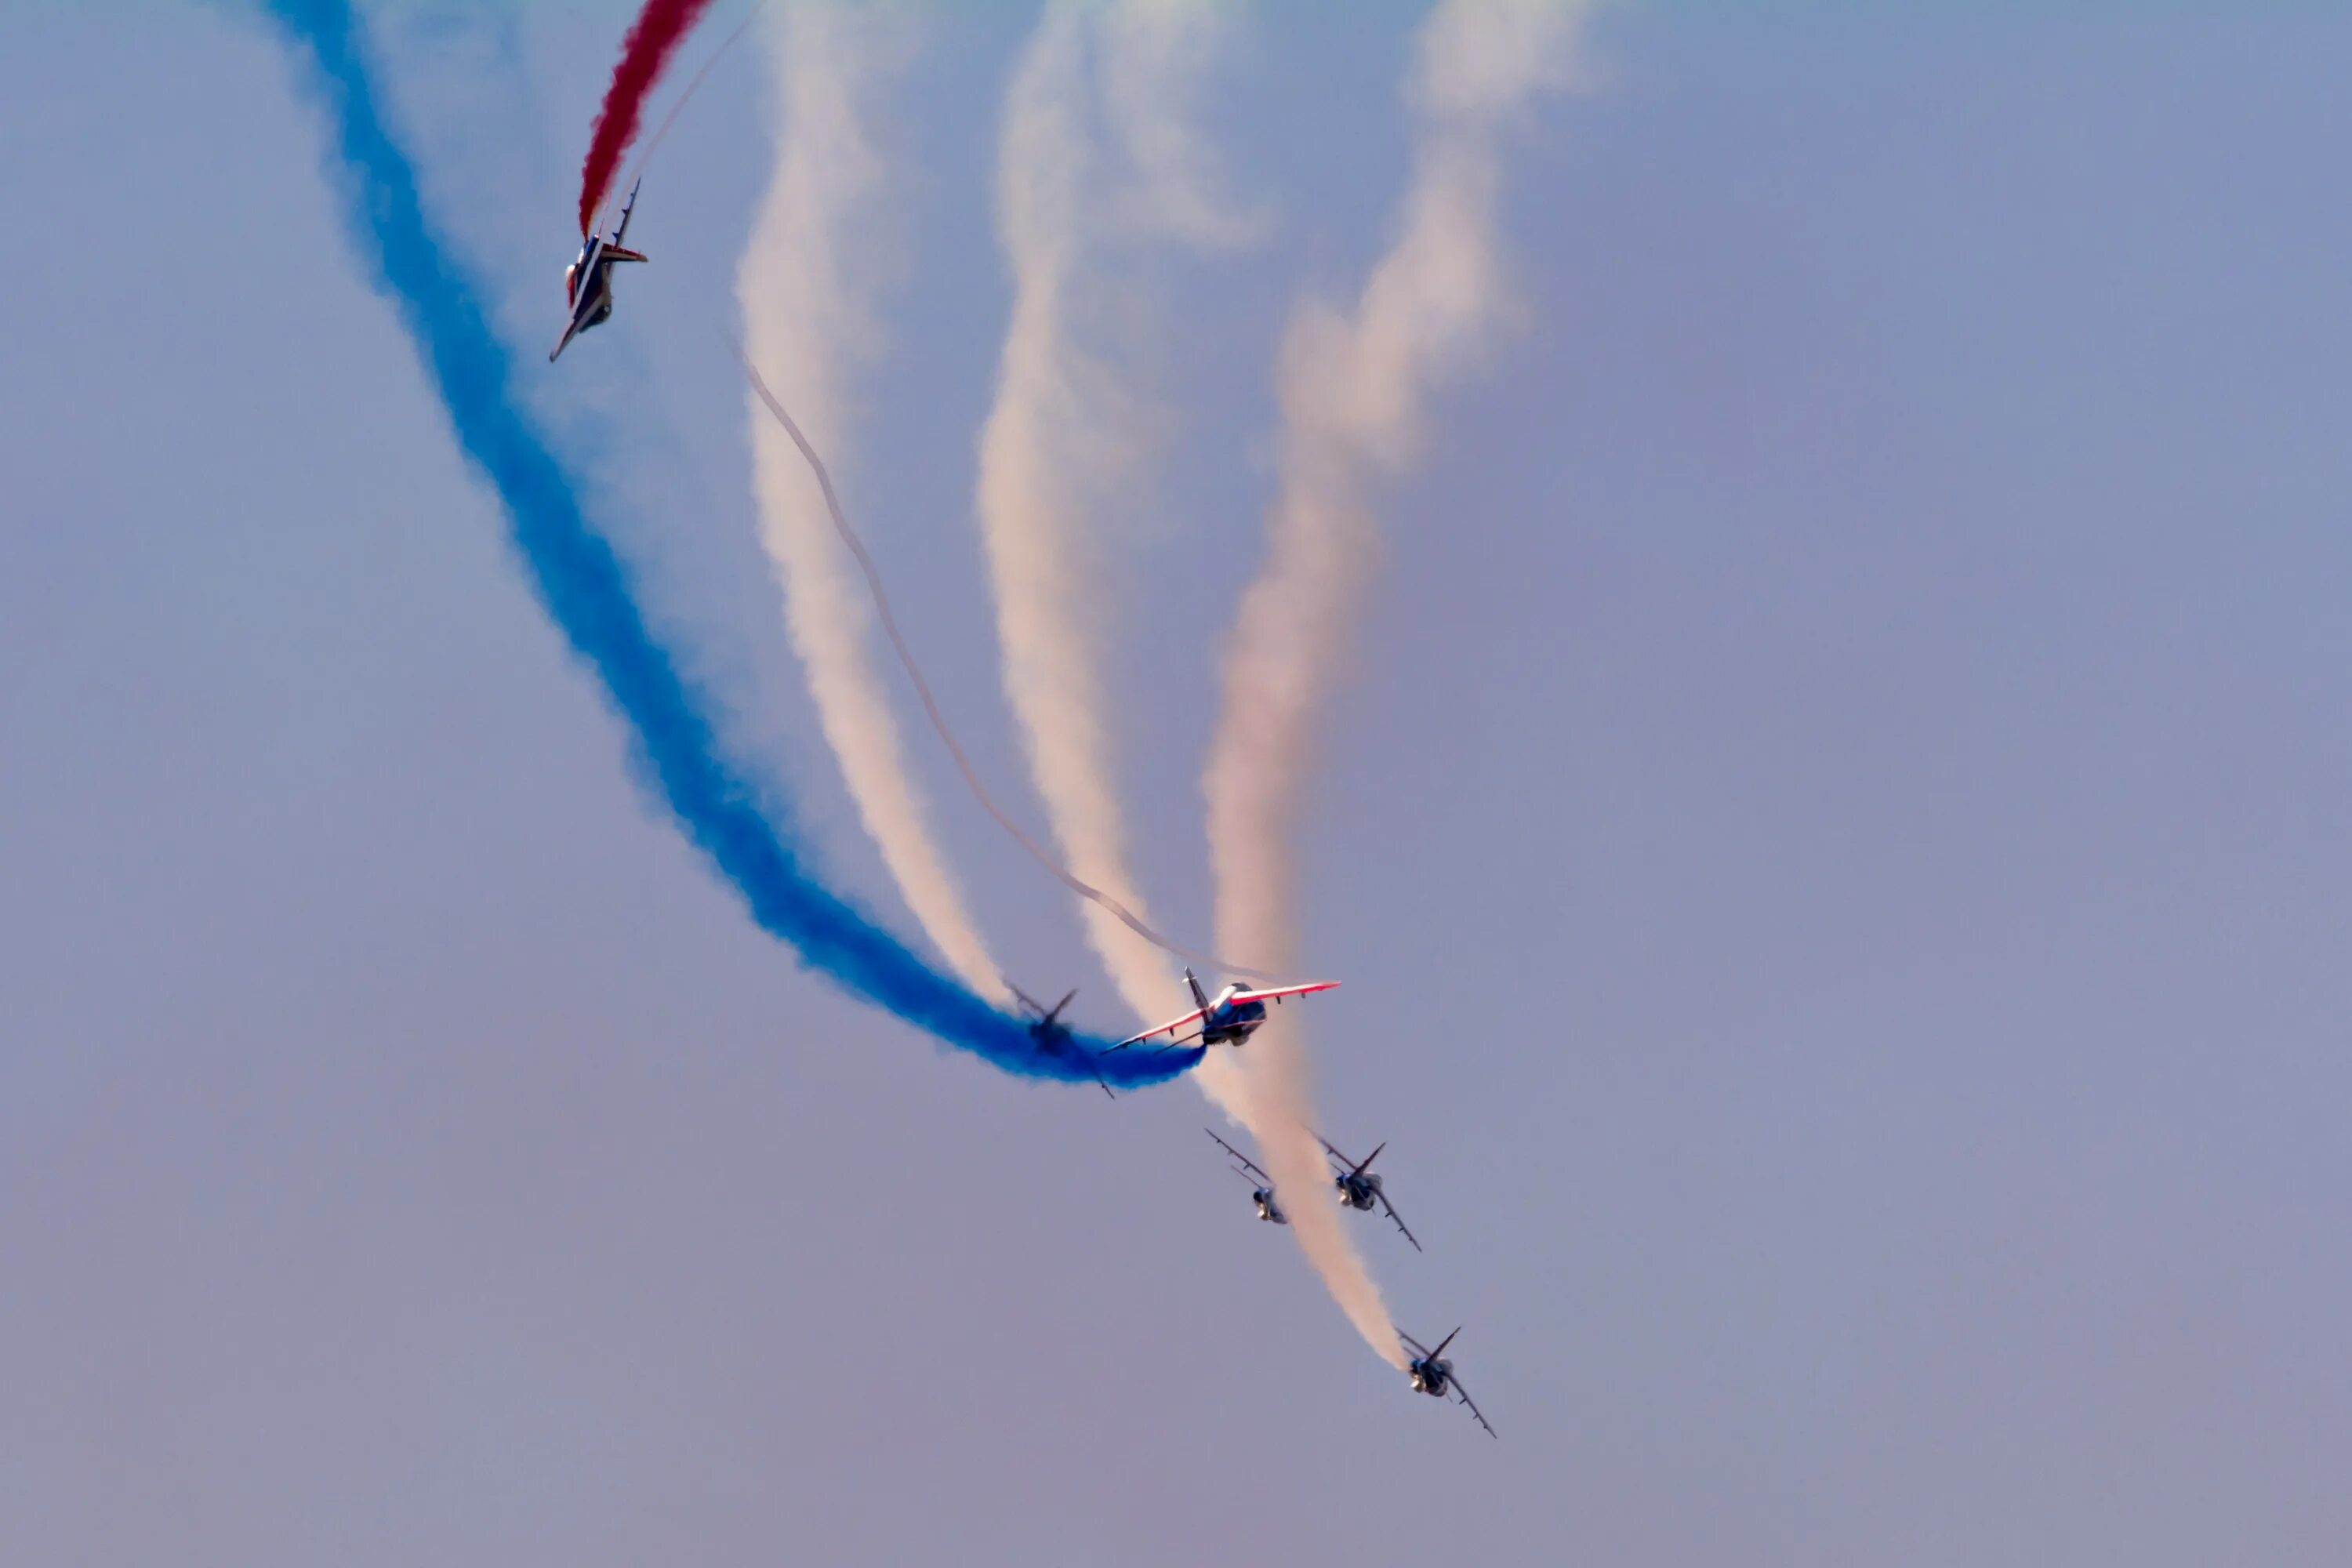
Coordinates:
[1234,1017]
[1053,1037]
[1359,1189]
[1433,1375]
[1262,1194]
[588,281]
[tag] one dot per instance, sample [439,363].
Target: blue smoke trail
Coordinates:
[587,591]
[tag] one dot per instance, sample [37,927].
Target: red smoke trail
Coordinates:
[659,28]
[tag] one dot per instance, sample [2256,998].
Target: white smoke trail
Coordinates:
[1155,54]
[1352,385]
[808,284]
[1068,425]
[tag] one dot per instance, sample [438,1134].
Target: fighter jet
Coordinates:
[588,281]
[1433,1375]
[1359,1189]
[1263,1184]
[1234,1017]
[1052,1036]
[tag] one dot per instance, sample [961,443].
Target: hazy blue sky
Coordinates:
[1838,844]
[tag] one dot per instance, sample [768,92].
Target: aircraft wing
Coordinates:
[1400,1221]
[615,253]
[1420,1349]
[570,328]
[1244,1159]
[1463,1394]
[1276,993]
[1345,1163]
[1170,1028]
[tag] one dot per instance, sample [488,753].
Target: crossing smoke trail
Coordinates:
[1065,427]
[768,400]
[808,284]
[1351,387]
[587,592]
[646,51]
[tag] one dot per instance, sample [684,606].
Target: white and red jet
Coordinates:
[1231,1018]
[588,281]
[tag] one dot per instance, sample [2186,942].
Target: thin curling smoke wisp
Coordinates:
[587,592]
[931,710]
[646,51]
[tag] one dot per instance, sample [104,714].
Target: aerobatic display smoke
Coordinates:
[1062,435]
[588,592]
[1063,429]
[1049,450]
[1351,385]
[848,537]
[808,284]
[646,52]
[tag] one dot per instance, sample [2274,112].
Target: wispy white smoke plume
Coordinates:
[819,253]
[1353,383]
[1071,423]
[1155,55]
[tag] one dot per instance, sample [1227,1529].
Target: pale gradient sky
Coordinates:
[1838,847]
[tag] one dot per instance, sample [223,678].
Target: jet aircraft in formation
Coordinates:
[588,281]
[1359,1189]
[1052,1036]
[1433,1375]
[1356,1186]
[1231,1018]
[1261,1192]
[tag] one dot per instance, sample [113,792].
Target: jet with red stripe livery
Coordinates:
[1228,1020]
[588,281]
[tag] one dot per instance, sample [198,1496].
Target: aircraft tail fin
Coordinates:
[1367,1165]
[627,207]
[1199,995]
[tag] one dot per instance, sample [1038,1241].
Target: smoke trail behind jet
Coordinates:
[1068,425]
[818,257]
[1352,385]
[1063,434]
[1051,446]
[768,400]
[587,591]
[646,51]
